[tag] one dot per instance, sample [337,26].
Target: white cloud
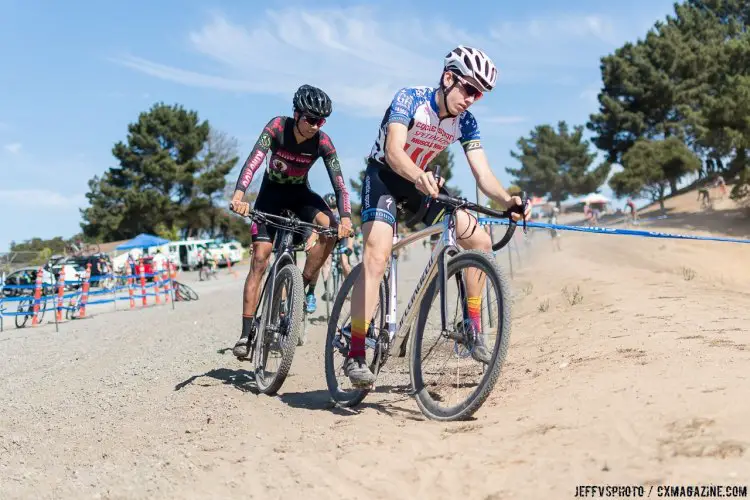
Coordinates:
[556,41]
[345,51]
[358,59]
[13,148]
[23,198]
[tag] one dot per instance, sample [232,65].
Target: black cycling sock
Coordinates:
[247,325]
[311,288]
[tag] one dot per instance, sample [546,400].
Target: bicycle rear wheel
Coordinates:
[279,329]
[460,342]
[184,292]
[42,309]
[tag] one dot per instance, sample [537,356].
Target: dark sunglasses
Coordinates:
[470,89]
[314,121]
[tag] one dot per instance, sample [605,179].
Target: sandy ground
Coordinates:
[641,380]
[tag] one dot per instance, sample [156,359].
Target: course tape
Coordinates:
[486,221]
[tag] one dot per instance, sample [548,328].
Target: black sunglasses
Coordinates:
[314,121]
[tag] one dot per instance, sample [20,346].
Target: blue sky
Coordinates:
[76,73]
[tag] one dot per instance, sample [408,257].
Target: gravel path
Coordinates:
[643,382]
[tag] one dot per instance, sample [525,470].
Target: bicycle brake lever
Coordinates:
[525,201]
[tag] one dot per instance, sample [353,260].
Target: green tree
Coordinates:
[640,97]
[171,174]
[686,78]
[56,245]
[556,163]
[649,165]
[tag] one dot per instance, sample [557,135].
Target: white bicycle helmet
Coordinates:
[468,61]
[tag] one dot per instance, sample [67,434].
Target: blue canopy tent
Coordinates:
[143,240]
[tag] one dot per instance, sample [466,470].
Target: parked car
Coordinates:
[25,276]
[100,266]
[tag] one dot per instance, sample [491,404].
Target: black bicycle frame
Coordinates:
[284,254]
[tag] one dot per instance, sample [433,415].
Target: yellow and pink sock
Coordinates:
[475,311]
[359,331]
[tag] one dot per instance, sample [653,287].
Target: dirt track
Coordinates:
[643,382]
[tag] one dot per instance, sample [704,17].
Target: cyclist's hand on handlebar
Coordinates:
[239,207]
[427,184]
[345,227]
[515,203]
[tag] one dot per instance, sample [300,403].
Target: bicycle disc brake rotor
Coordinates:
[463,337]
[341,342]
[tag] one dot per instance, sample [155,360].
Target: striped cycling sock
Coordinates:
[475,311]
[359,331]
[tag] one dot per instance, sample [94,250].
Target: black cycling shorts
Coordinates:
[274,198]
[383,189]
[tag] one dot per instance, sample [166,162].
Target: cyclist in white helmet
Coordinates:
[420,123]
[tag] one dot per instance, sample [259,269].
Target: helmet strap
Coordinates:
[445,92]
[296,125]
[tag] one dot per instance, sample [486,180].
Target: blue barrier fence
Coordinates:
[486,221]
[79,298]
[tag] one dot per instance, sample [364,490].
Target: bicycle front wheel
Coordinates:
[24,312]
[279,330]
[454,372]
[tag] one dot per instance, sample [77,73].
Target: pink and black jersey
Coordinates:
[290,161]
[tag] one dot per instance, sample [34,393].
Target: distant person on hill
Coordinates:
[587,212]
[553,232]
[705,197]
[630,205]
[719,182]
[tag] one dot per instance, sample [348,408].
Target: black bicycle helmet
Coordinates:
[330,200]
[312,101]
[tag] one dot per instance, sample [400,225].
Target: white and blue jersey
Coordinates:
[427,135]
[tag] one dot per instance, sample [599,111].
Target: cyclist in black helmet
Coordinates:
[291,146]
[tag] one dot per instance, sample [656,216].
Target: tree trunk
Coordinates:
[673,186]
[662,188]
[738,163]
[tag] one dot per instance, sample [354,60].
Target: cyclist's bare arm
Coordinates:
[400,162]
[486,180]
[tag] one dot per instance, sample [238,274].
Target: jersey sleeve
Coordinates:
[331,160]
[469,129]
[403,106]
[268,140]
